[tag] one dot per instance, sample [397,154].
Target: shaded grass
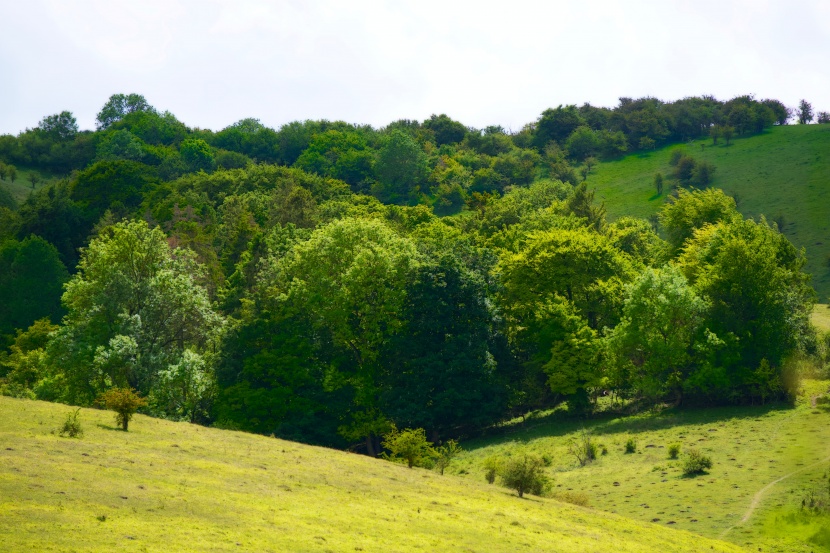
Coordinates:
[750,447]
[167,486]
[784,172]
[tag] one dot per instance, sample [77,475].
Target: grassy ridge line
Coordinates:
[177,487]
[782,172]
[752,447]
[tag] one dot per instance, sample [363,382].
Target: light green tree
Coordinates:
[409,445]
[133,308]
[690,211]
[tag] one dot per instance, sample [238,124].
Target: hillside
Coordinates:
[783,172]
[177,487]
[765,460]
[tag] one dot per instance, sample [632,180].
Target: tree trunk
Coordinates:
[370,447]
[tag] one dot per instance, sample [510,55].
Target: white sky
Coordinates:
[213,62]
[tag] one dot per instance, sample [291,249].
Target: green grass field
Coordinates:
[168,486]
[751,447]
[784,172]
[22,187]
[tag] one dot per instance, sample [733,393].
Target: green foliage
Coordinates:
[696,463]
[133,308]
[583,448]
[31,283]
[118,106]
[445,130]
[410,446]
[674,450]
[690,211]
[61,126]
[658,183]
[525,474]
[197,154]
[445,453]
[72,427]
[124,401]
[492,465]
[401,169]
[630,446]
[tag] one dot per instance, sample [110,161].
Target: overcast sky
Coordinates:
[213,62]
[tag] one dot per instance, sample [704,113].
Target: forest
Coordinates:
[326,282]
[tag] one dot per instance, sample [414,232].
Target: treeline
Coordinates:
[278,300]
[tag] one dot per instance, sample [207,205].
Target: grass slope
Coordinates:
[751,447]
[782,172]
[177,487]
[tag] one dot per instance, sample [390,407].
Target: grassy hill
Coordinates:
[784,172]
[765,459]
[167,486]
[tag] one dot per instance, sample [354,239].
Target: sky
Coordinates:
[214,62]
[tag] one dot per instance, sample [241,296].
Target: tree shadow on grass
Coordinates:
[561,423]
[108,427]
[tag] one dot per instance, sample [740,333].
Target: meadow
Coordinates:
[166,486]
[765,458]
[781,173]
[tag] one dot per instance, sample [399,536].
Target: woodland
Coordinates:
[327,282]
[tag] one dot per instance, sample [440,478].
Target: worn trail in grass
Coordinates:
[751,447]
[167,486]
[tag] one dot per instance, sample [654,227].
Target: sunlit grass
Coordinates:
[750,447]
[167,486]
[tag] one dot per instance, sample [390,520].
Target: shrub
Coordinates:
[675,157]
[696,463]
[445,454]
[409,445]
[524,473]
[674,451]
[491,468]
[583,448]
[72,426]
[124,401]
[631,445]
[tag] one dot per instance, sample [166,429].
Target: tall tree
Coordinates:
[120,105]
[804,112]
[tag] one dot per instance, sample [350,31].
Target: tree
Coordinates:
[804,112]
[61,126]
[197,154]
[445,454]
[582,143]
[185,390]
[133,308]
[689,211]
[760,299]
[409,445]
[658,183]
[661,338]
[446,130]
[349,279]
[525,474]
[124,401]
[121,144]
[34,178]
[823,118]
[556,125]
[31,281]
[401,169]
[118,106]
[727,132]
[12,171]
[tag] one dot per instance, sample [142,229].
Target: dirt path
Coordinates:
[756,499]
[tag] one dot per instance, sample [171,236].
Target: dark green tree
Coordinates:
[120,105]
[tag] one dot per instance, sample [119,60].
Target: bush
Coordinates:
[675,157]
[696,463]
[124,401]
[445,454]
[524,473]
[491,468]
[72,426]
[583,448]
[409,445]
[631,445]
[674,451]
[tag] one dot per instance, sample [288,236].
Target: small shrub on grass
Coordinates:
[583,448]
[409,445]
[696,463]
[124,401]
[631,445]
[445,454]
[491,468]
[674,451]
[524,473]
[72,426]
